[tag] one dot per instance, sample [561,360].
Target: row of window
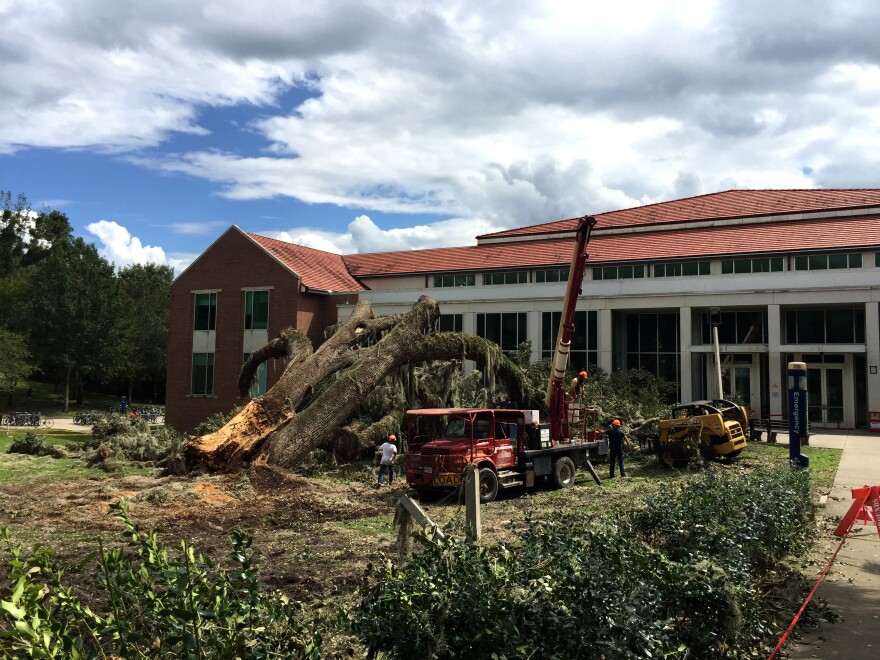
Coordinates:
[667,269]
[256,317]
[503,277]
[256,311]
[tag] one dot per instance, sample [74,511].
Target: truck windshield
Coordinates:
[457,428]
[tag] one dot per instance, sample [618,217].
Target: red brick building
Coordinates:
[241,292]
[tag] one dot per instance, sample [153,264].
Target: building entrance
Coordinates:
[826,399]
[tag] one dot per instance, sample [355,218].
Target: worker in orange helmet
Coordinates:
[578,385]
[616,440]
[386,461]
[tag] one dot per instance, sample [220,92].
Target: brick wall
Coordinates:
[232,262]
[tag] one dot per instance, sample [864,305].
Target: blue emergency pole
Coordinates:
[798,414]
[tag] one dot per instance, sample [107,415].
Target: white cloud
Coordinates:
[123,249]
[495,113]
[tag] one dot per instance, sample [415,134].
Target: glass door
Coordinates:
[826,395]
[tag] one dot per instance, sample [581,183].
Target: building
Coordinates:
[791,274]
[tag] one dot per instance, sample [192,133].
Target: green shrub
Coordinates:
[678,579]
[118,424]
[31,444]
[215,422]
[154,604]
[128,438]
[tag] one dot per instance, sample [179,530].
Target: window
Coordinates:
[258,388]
[449,323]
[508,330]
[256,310]
[739,327]
[877,259]
[202,374]
[681,269]
[584,351]
[509,277]
[206,311]
[828,261]
[652,344]
[825,326]
[467,279]
[618,272]
[553,275]
[756,265]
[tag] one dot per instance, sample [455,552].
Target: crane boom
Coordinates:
[555,399]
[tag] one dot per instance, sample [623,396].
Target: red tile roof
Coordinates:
[714,206]
[823,234]
[317,269]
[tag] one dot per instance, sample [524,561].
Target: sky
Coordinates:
[356,127]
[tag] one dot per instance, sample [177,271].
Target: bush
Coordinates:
[215,422]
[130,438]
[679,579]
[154,604]
[30,444]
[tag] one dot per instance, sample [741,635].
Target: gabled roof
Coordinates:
[317,269]
[820,234]
[714,206]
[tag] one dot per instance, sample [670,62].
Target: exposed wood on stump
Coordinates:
[270,427]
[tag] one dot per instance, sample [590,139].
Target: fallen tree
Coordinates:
[313,402]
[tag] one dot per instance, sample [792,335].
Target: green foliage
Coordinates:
[15,364]
[154,603]
[215,422]
[30,444]
[633,396]
[130,438]
[678,579]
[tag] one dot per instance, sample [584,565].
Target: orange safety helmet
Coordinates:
[584,374]
[616,422]
[392,438]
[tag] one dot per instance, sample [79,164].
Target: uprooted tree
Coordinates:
[312,403]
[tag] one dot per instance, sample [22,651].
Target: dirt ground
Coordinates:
[315,534]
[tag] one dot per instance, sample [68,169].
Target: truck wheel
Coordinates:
[488,485]
[564,472]
[672,456]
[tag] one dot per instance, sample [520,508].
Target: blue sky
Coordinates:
[360,126]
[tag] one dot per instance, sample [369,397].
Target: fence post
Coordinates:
[472,503]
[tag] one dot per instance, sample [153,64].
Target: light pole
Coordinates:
[715,321]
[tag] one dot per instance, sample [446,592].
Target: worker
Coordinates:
[386,461]
[578,385]
[616,441]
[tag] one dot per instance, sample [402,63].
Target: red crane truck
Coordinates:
[510,447]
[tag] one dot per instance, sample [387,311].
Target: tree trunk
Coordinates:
[269,428]
[66,389]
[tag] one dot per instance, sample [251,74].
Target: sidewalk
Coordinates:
[852,586]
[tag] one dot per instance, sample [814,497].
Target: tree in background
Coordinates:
[75,306]
[15,364]
[143,318]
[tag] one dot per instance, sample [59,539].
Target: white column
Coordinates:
[534,333]
[872,355]
[774,360]
[685,334]
[468,325]
[606,340]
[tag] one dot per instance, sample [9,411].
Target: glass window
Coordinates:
[553,275]
[508,330]
[801,262]
[202,374]
[467,279]
[256,310]
[259,386]
[818,261]
[838,261]
[855,260]
[584,340]
[777,264]
[726,267]
[449,323]
[681,268]
[206,311]
[511,277]
[877,259]
[618,272]
[742,266]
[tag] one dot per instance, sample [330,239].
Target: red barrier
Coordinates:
[869,495]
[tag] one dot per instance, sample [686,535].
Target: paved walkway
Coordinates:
[852,586]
